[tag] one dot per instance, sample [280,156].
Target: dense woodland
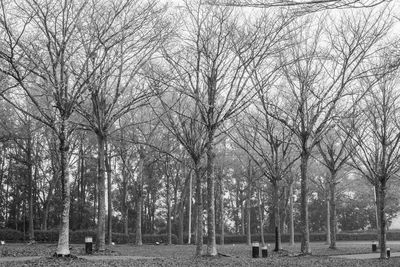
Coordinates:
[199,119]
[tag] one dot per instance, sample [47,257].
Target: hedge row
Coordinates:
[78,237]
[315,237]
[50,236]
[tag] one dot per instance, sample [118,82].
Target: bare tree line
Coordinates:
[283,88]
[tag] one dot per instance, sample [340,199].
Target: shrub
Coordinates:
[47,236]
[11,235]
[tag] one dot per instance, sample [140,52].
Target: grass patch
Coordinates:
[183,255]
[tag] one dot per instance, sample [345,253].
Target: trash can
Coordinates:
[374,246]
[255,249]
[388,252]
[264,251]
[88,245]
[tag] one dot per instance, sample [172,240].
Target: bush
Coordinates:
[11,235]
[78,237]
[47,236]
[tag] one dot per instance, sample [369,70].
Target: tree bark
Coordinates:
[169,228]
[291,242]
[139,204]
[277,217]
[124,204]
[248,211]
[243,213]
[333,218]
[101,214]
[382,217]
[82,185]
[261,213]
[199,211]
[107,162]
[190,210]
[328,222]
[222,237]
[63,237]
[377,203]
[31,232]
[180,215]
[211,239]
[304,224]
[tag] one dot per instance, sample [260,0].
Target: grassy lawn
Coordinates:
[182,255]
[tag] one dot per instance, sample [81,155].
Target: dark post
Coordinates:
[88,245]
[374,246]
[264,251]
[388,253]
[276,239]
[256,250]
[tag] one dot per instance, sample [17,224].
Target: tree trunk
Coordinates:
[382,218]
[180,234]
[82,186]
[190,210]
[376,196]
[107,162]
[199,211]
[211,240]
[243,213]
[125,208]
[277,217]
[261,212]
[248,211]
[31,232]
[291,241]
[333,218]
[139,241]
[328,223]
[169,228]
[304,220]
[101,215]
[63,237]
[222,237]
[248,204]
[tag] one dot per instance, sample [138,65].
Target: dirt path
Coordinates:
[364,256]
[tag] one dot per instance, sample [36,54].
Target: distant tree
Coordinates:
[315,81]
[332,148]
[129,32]
[44,61]
[376,140]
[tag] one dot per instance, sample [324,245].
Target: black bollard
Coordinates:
[388,253]
[374,247]
[88,245]
[256,250]
[264,252]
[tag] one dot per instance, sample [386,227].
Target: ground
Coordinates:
[183,255]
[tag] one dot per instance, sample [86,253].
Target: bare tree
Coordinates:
[301,6]
[334,154]
[316,78]
[376,141]
[269,145]
[45,61]
[216,60]
[179,114]
[129,32]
